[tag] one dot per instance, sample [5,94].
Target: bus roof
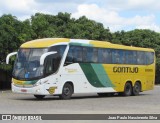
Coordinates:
[48,42]
[42,43]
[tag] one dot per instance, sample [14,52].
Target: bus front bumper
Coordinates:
[36,90]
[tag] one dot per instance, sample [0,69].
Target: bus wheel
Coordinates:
[67,91]
[39,96]
[127,89]
[136,89]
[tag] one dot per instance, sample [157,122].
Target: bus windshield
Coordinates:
[27,65]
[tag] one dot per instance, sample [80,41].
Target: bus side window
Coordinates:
[87,54]
[51,64]
[74,55]
[77,54]
[134,57]
[121,57]
[115,56]
[129,57]
[84,57]
[100,56]
[140,58]
[69,58]
[104,55]
[149,57]
[109,56]
[95,55]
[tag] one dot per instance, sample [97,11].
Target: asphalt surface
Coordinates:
[147,102]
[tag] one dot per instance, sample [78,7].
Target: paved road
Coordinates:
[146,102]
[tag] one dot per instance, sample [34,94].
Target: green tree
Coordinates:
[26,33]
[14,32]
[8,35]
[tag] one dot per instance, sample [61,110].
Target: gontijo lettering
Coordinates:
[125,69]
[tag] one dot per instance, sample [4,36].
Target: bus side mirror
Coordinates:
[9,55]
[42,58]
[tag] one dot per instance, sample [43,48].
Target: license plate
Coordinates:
[23,90]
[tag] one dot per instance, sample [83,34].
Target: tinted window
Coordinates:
[129,57]
[77,54]
[140,57]
[134,57]
[89,54]
[95,55]
[51,64]
[115,56]
[74,54]
[104,55]
[149,57]
[60,49]
[121,56]
[84,54]
[100,56]
[70,58]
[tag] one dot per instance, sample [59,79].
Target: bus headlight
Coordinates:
[38,83]
[38,90]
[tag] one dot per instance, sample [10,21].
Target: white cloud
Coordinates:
[151,27]
[115,14]
[112,19]
[133,5]
[139,20]
[96,13]
[21,6]
[147,4]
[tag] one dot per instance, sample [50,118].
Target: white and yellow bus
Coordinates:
[60,66]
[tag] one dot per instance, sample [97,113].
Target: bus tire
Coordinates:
[136,89]
[127,89]
[67,91]
[39,96]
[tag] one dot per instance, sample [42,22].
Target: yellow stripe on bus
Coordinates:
[41,43]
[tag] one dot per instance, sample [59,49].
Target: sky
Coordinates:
[116,15]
